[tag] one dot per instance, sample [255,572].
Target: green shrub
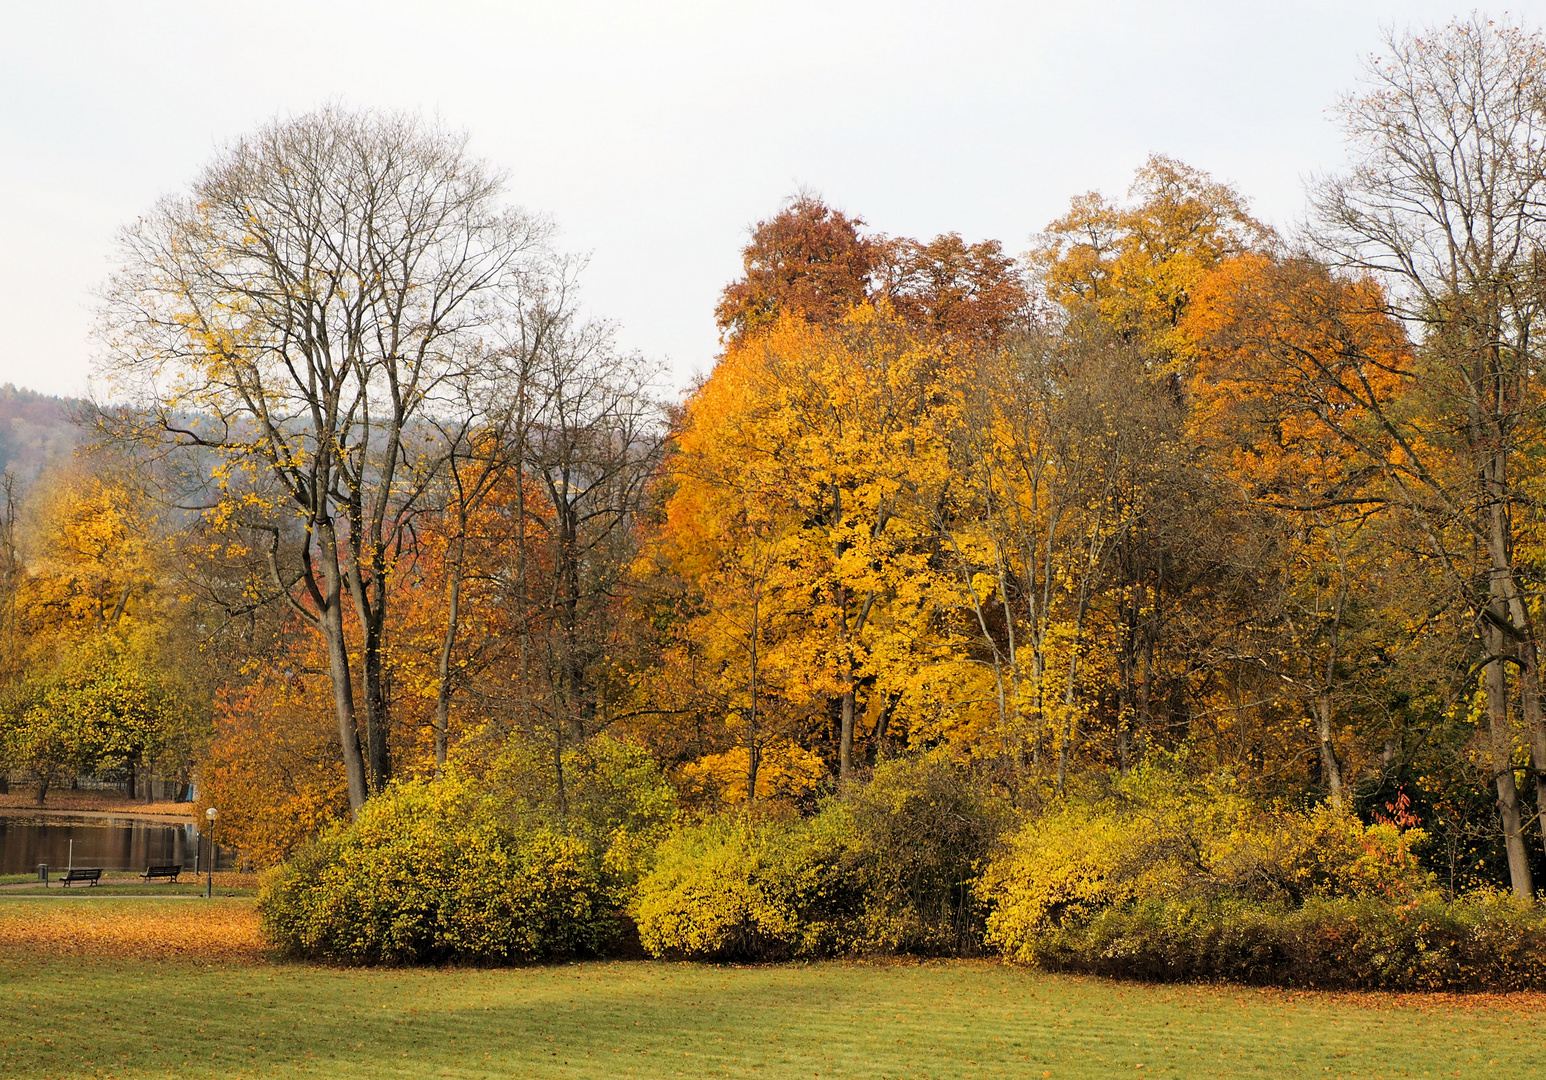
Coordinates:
[920,832]
[889,867]
[615,800]
[432,872]
[1484,943]
[1160,836]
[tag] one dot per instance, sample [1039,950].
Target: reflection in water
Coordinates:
[112,843]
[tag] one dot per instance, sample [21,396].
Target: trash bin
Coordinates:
[43,872]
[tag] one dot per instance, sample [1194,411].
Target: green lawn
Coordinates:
[125,888]
[98,1016]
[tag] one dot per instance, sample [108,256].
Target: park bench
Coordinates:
[169,872]
[78,874]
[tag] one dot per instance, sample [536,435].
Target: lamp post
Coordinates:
[209,879]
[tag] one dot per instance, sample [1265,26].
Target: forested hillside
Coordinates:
[36,430]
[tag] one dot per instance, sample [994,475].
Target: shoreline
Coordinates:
[136,815]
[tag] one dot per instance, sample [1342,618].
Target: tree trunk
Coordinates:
[329,621]
[1530,702]
[1500,730]
[753,740]
[1538,766]
[447,645]
[878,736]
[845,748]
[1330,766]
[1500,757]
[377,720]
[1530,706]
[845,743]
[332,625]
[370,607]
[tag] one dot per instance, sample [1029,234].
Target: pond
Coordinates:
[100,840]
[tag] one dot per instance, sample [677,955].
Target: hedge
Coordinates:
[1491,943]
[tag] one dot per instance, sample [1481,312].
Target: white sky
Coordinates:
[654,133]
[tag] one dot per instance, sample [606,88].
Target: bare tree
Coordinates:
[322,289]
[1446,205]
[592,444]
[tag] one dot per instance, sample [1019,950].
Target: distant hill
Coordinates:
[35,430]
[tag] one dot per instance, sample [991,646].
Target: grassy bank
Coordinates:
[125,888]
[87,996]
[93,802]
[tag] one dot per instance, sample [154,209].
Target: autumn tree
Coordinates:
[1025,535]
[320,289]
[1442,206]
[273,768]
[1278,341]
[470,516]
[90,534]
[972,295]
[90,615]
[808,260]
[1166,555]
[591,445]
[815,262]
[798,481]
[1135,266]
[96,705]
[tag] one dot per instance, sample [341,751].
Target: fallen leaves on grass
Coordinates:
[189,930]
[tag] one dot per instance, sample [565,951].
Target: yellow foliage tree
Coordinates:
[804,468]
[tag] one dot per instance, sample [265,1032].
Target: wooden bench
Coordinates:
[169,872]
[78,874]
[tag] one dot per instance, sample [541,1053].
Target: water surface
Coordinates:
[100,840]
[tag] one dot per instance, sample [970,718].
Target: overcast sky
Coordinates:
[655,133]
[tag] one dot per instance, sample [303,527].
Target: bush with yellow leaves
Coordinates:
[746,886]
[1158,835]
[433,871]
[886,867]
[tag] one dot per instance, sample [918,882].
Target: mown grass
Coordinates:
[105,1006]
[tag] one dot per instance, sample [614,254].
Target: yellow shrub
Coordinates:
[429,871]
[1158,835]
[747,888]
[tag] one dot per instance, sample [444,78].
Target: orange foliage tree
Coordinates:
[273,770]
